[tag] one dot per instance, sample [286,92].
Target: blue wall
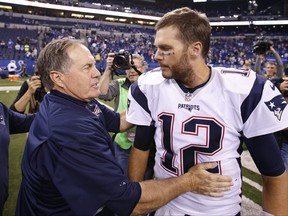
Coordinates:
[29,64]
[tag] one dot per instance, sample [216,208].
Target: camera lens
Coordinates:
[119,62]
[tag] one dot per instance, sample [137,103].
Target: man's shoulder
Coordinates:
[238,80]
[153,77]
[234,74]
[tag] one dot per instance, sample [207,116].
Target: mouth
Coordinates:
[163,67]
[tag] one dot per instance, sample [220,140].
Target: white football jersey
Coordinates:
[205,126]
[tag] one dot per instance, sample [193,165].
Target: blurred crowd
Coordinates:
[225,50]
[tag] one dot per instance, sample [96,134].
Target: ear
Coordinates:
[57,78]
[195,49]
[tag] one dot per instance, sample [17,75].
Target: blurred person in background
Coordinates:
[272,69]
[23,70]
[31,93]
[12,67]
[118,90]
[10,123]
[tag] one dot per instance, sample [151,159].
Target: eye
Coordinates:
[87,67]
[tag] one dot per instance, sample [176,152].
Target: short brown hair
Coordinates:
[54,57]
[192,25]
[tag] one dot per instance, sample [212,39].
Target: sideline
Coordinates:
[9,88]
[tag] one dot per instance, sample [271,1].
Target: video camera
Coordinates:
[261,46]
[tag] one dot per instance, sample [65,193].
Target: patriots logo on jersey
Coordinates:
[272,87]
[277,105]
[189,107]
[94,109]
[97,110]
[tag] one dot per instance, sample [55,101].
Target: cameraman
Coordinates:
[272,70]
[118,90]
[32,93]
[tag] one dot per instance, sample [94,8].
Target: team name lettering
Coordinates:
[189,107]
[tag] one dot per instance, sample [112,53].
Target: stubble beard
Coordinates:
[181,70]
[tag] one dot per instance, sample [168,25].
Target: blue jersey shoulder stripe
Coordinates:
[253,98]
[138,95]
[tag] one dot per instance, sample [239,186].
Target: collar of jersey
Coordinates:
[191,90]
[69,98]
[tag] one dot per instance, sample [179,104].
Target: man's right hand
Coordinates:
[109,61]
[33,84]
[206,183]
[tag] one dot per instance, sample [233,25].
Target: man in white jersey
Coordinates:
[198,113]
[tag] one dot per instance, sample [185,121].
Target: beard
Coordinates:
[179,71]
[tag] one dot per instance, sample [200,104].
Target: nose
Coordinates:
[157,56]
[95,73]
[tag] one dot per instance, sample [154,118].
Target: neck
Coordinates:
[197,76]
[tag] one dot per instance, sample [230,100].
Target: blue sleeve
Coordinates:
[95,183]
[144,137]
[18,122]
[266,154]
[100,180]
[111,118]
[83,168]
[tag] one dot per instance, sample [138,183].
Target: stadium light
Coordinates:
[79,9]
[153,19]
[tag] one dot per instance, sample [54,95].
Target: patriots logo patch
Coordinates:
[277,105]
[96,110]
[272,87]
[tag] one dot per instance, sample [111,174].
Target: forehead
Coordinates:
[79,53]
[167,36]
[271,65]
[137,61]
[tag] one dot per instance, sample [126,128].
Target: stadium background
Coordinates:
[110,25]
[113,25]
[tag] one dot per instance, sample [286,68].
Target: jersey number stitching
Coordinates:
[208,129]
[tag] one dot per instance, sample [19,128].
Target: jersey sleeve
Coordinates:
[138,112]
[18,122]
[266,111]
